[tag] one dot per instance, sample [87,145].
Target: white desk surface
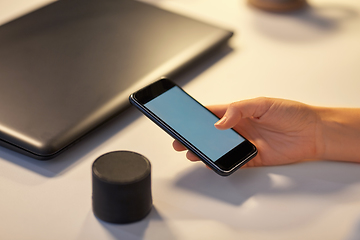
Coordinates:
[312,56]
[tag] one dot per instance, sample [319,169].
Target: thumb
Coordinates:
[251,108]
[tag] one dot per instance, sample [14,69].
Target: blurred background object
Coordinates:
[278,5]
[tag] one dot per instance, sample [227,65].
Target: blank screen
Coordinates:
[194,122]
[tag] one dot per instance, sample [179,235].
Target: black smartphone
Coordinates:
[189,122]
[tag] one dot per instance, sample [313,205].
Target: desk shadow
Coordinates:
[97,137]
[235,189]
[311,23]
[354,233]
[312,178]
[138,229]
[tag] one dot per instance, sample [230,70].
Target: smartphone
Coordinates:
[189,122]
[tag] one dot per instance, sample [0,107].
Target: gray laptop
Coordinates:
[70,66]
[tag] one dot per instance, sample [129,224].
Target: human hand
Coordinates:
[283,131]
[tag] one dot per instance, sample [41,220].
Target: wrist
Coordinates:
[338,135]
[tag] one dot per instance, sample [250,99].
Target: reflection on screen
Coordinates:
[194,123]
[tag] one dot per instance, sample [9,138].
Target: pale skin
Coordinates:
[286,132]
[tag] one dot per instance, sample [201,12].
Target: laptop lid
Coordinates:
[71,65]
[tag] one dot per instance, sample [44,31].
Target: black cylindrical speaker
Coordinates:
[121,187]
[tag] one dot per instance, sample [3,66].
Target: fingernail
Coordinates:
[221,121]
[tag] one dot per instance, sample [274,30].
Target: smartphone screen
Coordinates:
[192,124]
